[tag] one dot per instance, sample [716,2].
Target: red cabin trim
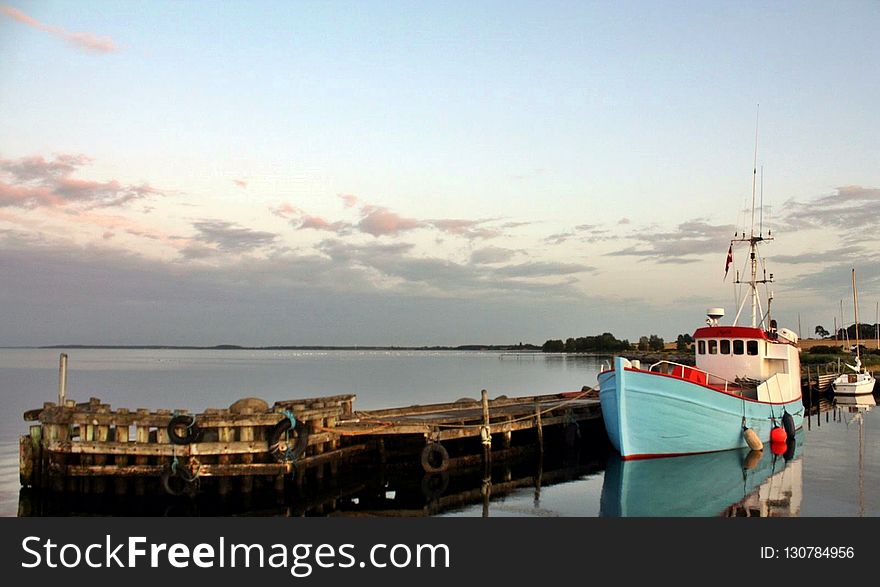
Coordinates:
[746,332]
[731,332]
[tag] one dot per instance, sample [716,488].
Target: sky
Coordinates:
[445,173]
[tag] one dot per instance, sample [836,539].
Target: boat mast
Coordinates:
[753,241]
[856,310]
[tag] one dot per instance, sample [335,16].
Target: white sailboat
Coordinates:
[859,382]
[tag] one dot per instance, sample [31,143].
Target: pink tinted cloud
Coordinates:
[287,211]
[240,183]
[32,182]
[85,41]
[348,200]
[380,221]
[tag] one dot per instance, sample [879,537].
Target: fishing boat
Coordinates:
[745,385]
[859,382]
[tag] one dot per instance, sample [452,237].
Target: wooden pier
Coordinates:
[90,448]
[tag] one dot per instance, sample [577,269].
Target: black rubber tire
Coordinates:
[434,458]
[193,432]
[279,435]
[788,425]
[434,485]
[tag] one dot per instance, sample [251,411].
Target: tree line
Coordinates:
[607,342]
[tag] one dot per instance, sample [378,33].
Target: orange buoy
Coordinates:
[778,448]
[778,435]
[752,439]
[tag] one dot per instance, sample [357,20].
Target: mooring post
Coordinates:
[486,432]
[62,379]
[540,427]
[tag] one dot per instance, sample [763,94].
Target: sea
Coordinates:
[831,470]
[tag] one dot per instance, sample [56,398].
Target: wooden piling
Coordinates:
[246,434]
[540,427]
[62,379]
[142,438]
[120,435]
[225,434]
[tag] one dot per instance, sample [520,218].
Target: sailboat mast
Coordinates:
[856,310]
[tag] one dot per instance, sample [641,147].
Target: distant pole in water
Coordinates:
[799,325]
[62,379]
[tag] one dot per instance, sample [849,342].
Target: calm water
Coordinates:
[835,470]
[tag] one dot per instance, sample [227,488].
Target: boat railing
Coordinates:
[695,375]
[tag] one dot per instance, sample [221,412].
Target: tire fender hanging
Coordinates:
[434,458]
[282,446]
[192,432]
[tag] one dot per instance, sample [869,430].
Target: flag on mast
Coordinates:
[729,260]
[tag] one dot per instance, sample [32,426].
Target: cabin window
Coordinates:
[752,347]
[713,347]
[701,347]
[738,347]
[725,347]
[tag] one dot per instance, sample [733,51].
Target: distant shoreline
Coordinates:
[232,347]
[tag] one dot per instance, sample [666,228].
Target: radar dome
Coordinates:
[715,313]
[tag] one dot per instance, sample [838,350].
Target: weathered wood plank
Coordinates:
[159,420]
[212,470]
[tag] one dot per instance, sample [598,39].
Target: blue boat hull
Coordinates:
[651,415]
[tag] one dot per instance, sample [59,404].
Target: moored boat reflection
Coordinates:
[725,483]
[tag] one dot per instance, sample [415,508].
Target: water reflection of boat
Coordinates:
[855,403]
[858,406]
[725,483]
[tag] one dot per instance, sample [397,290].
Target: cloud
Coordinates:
[32,182]
[394,266]
[227,237]
[515,224]
[588,233]
[318,223]
[491,255]
[623,221]
[240,183]
[839,255]
[467,228]
[693,238]
[543,269]
[287,211]
[380,221]
[850,209]
[834,282]
[349,201]
[85,41]
[558,238]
